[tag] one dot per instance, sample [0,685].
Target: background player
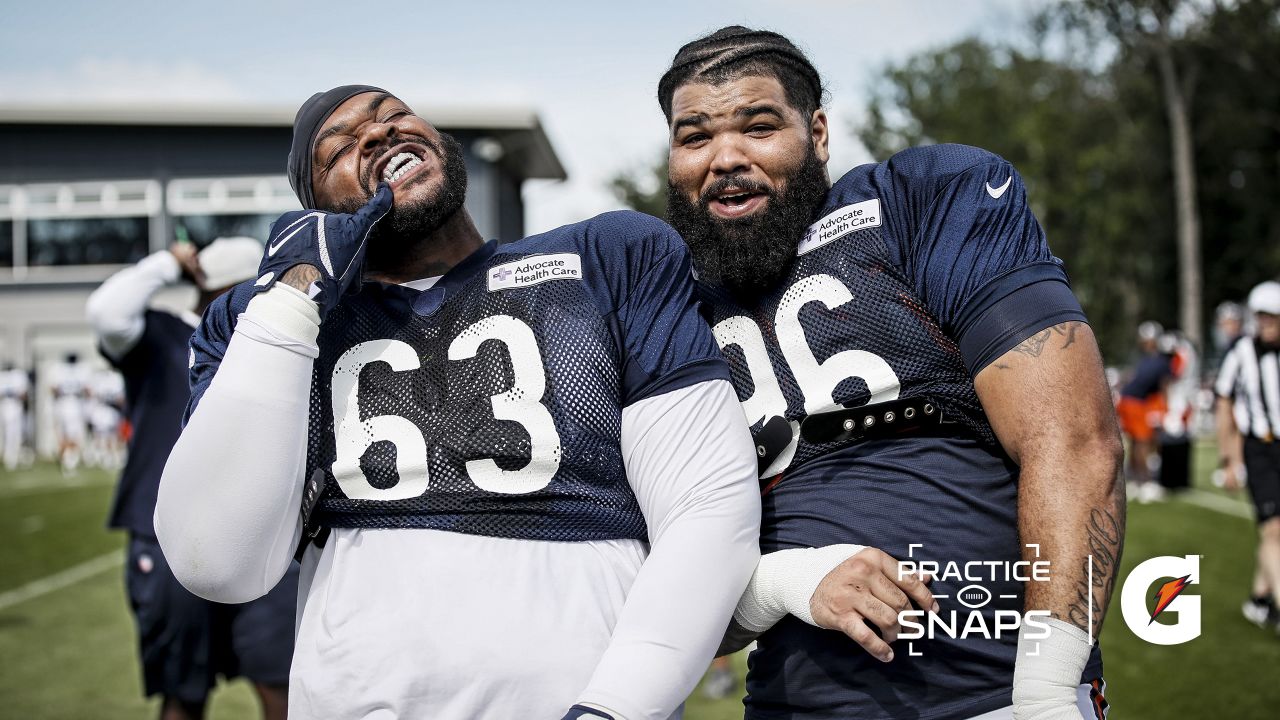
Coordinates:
[1142,408]
[185,641]
[68,381]
[1248,389]
[14,389]
[105,402]
[918,377]
[530,460]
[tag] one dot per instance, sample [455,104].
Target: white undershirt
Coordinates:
[424,623]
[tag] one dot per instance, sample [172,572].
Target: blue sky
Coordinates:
[588,68]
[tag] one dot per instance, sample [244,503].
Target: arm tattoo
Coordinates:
[1035,345]
[1106,542]
[300,277]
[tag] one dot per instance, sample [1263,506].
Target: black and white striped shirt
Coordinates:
[1250,378]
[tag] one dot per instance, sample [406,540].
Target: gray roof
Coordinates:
[518,128]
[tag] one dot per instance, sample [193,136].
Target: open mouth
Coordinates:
[400,164]
[735,202]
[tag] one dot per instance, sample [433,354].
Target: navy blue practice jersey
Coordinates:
[491,403]
[155,391]
[905,253]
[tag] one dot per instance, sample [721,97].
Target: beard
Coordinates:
[408,223]
[749,256]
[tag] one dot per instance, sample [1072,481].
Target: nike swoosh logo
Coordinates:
[997,192]
[298,226]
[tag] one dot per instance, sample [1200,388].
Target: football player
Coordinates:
[14,385]
[523,464]
[919,378]
[185,642]
[68,381]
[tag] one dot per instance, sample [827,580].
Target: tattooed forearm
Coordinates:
[1105,535]
[300,277]
[1035,345]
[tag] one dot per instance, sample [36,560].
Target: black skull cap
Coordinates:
[306,125]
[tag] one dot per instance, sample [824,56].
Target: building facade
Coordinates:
[86,191]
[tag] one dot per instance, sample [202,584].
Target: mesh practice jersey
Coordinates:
[490,403]
[880,305]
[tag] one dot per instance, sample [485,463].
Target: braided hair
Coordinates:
[732,52]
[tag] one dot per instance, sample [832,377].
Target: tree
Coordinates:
[1078,147]
[644,189]
[1095,143]
[1155,28]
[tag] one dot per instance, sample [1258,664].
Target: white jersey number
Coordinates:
[521,403]
[817,380]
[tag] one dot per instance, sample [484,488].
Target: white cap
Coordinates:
[1150,330]
[230,260]
[1265,298]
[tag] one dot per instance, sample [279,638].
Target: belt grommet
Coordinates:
[868,421]
[890,417]
[848,425]
[928,409]
[909,413]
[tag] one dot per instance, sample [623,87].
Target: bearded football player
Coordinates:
[504,460]
[919,380]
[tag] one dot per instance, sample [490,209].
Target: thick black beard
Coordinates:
[405,224]
[749,256]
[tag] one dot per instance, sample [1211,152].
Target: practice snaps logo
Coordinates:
[1142,583]
[974,619]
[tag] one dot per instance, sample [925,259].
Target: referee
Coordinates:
[1248,390]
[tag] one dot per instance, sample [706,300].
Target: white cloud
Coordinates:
[94,79]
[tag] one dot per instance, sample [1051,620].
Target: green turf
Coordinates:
[70,653]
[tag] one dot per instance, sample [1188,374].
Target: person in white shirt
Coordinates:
[69,384]
[1248,389]
[14,386]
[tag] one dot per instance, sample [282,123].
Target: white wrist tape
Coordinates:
[784,582]
[1047,672]
[283,316]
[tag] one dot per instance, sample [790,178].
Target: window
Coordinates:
[6,243]
[203,229]
[86,241]
[209,208]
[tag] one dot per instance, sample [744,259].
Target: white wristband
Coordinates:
[283,316]
[1048,671]
[784,582]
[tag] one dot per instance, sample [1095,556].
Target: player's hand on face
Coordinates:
[329,247]
[866,587]
[188,259]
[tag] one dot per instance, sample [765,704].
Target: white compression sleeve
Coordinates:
[115,310]
[1047,672]
[784,582]
[227,513]
[690,461]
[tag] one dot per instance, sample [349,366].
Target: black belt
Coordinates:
[878,420]
[848,425]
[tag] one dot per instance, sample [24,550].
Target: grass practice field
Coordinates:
[67,645]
